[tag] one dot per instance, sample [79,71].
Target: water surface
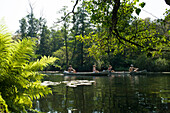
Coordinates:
[114,94]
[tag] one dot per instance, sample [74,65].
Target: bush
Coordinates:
[152,64]
[161,65]
[143,62]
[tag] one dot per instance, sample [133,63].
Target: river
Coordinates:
[114,94]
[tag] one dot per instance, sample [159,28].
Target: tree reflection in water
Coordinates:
[114,94]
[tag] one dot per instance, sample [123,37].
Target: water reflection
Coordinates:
[114,94]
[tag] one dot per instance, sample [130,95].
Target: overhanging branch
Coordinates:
[69,12]
[136,44]
[114,28]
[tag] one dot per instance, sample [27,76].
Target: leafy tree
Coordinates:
[116,18]
[60,53]
[45,47]
[30,26]
[20,82]
[64,30]
[161,65]
[23,27]
[81,26]
[57,40]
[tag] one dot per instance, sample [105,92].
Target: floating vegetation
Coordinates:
[47,83]
[76,83]
[73,83]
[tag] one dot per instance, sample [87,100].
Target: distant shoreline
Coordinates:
[118,71]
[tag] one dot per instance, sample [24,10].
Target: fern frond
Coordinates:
[19,79]
[35,90]
[4,106]
[5,44]
[21,52]
[40,64]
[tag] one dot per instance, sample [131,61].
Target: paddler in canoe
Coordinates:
[94,69]
[110,69]
[71,70]
[132,69]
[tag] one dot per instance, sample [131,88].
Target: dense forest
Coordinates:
[88,37]
[95,32]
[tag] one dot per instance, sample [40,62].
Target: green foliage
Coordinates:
[3,105]
[19,79]
[138,10]
[161,65]
[151,63]
[102,33]
[30,26]
[60,53]
[44,47]
[143,62]
[120,29]
[142,4]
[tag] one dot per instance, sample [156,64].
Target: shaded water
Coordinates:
[115,94]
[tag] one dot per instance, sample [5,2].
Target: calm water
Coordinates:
[115,94]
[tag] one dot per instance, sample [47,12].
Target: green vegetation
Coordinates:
[100,32]
[19,79]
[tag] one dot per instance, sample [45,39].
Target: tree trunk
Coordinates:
[66,44]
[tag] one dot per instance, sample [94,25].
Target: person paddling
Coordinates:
[94,69]
[71,70]
[110,69]
[132,68]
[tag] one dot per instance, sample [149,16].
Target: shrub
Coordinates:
[161,64]
[143,62]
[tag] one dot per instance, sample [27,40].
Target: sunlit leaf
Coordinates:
[142,4]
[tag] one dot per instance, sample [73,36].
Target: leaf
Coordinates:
[4,106]
[138,10]
[142,4]
[169,32]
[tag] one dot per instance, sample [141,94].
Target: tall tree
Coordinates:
[57,40]
[23,28]
[113,15]
[116,17]
[45,47]
[81,26]
[65,32]
[31,26]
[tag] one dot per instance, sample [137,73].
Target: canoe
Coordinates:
[139,72]
[127,73]
[119,73]
[86,73]
[104,73]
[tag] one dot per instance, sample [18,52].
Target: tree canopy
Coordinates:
[100,32]
[120,28]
